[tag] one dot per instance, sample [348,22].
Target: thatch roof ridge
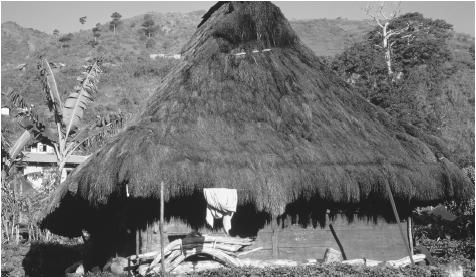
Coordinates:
[276,125]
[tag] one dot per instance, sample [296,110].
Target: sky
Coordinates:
[64,15]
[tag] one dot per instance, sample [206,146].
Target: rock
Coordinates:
[331,256]
[80,270]
[75,270]
[453,270]
[117,266]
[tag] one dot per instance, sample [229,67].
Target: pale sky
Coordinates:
[64,15]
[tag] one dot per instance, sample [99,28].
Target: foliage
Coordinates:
[148,26]
[430,85]
[64,39]
[448,250]
[83,95]
[422,42]
[433,227]
[21,207]
[116,21]
[96,33]
[362,66]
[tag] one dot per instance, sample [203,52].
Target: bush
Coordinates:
[149,68]
[428,226]
[446,250]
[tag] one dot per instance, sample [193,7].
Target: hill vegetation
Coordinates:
[130,75]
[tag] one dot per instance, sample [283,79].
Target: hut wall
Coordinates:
[360,239]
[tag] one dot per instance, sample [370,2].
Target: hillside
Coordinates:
[130,76]
[18,43]
[325,37]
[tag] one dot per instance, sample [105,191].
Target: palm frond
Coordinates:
[95,135]
[84,94]
[48,82]
[28,119]
[19,144]
[16,101]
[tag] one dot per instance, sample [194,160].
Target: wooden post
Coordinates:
[161,227]
[137,242]
[128,266]
[409,233]
[338,242]
[397,218]
[274,237]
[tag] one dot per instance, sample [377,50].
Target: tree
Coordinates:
[64,39]
[82,20]
[362,66]
[409,39]
[96,33]
[116,21]
[67,134]
[420,56]
[148,26]
[471,50]
[56,34]
[422,41]
[385,33]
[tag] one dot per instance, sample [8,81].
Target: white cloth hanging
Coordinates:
[221,204]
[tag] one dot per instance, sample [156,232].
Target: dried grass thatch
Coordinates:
[275,124]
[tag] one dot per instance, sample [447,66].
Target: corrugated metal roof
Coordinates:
[51,158]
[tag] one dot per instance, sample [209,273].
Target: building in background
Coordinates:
[40,158]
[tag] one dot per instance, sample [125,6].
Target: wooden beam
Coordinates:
[397,219]
[161,227]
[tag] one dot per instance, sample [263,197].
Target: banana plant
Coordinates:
[66,134]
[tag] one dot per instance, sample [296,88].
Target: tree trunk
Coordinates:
[388,59]
[59,173]
[386,46]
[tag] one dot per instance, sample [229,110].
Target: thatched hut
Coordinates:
[250,107]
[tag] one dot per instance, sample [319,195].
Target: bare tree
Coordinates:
[383,20]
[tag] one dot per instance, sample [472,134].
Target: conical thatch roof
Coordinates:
[250,107]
